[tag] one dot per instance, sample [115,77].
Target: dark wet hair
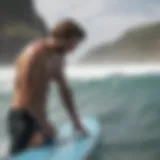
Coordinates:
[68,29]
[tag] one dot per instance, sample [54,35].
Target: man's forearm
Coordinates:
[42,118]
[68,100]
[67,97]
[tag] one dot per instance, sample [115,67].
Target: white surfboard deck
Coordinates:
[74,147]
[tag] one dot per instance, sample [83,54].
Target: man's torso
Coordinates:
[30,89]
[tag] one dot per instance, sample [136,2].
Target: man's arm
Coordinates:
[67,97]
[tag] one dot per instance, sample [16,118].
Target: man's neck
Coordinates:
[54,45]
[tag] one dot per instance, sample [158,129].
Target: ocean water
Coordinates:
[125,99]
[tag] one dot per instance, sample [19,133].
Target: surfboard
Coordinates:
[70,145]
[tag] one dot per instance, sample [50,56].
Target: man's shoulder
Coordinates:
[31,51]
[35,47]
[39,46]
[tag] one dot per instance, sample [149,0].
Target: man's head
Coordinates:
[68,34]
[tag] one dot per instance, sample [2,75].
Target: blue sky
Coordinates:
[104,20]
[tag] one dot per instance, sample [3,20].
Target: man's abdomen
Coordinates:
[30,98]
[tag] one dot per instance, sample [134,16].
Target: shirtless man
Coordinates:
[39,63]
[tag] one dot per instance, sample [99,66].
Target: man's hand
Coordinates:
[48,130]
[81,129]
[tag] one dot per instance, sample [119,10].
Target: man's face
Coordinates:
[71,44]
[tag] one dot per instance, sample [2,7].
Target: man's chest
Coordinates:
[52,66]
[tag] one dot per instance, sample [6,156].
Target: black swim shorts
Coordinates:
[21,126]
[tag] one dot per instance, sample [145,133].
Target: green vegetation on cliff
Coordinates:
[19,23]
[137,45]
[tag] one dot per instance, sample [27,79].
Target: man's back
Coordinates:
[31,77]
